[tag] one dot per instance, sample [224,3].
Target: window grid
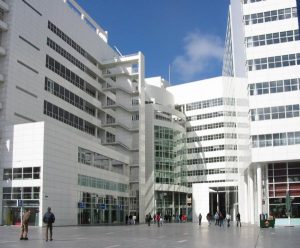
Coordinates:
[99,183]
[277,112]
[212,148]
[210,115]
[68,118]
[70,76]
[212,137]
[21,173]
[270,16]
[210,103]
[211,126]
[274,87]
[24,193]
[275,139]
[212,160]
[272,38]
[273,62]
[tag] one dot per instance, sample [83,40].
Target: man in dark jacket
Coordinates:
[49,219]
[24,226]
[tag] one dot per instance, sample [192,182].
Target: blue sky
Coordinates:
[188,35]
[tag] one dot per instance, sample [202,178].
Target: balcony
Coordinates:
[113,73]
[117,123]
[113,88]
[114,106]
[125,59]
[119,143]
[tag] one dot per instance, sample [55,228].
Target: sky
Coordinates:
[183,37]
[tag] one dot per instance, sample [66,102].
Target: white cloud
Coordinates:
[200,51]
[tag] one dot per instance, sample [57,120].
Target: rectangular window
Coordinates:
[27,173]
[17,173]
[7,174]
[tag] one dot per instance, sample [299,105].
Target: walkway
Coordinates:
[174,235]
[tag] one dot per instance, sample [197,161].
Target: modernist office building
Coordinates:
[70,109]
[83,131]
[267,54]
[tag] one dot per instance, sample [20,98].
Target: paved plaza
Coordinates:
[173,235]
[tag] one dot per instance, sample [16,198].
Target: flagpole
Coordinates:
[170,74]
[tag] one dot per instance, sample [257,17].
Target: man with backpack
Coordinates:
[49,219]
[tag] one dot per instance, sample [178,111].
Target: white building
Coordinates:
[270,33]
[70,105]
[82,131]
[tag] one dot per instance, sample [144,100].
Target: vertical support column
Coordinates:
[179,203]
[250,195]
[244,199]
[259,190]
[173,202]
[218,204]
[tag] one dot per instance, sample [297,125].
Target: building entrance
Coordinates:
[224,199]
[13,215]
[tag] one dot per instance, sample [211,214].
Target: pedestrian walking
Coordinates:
[130,219]
[49,219]
[148,219]
[221,219]
[200,219]
[158,219]
[133,219]
[238,220]
[24,225]
[208,217]
[161,220]
[216,219]
[228,218]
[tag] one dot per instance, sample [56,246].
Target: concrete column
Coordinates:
[250,196]
[173,202]
[218,204]
[243,205]
[179,206]
[259,190]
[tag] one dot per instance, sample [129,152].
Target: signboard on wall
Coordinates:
[81,205]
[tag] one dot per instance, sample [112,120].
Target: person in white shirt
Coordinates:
[228,218]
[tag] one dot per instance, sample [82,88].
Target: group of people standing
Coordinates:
[219,219]
[131,219]
[48,219]
[157,218]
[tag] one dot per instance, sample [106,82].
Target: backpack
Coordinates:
[49,218]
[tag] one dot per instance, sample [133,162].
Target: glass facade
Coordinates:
[283,177]
[101,209]
[170,168]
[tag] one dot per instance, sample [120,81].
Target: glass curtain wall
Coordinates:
[170,159]
[101,209]
[283,177]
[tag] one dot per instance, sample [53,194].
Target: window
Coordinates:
[17,173]
[268,16]
[273,62]
[276,139]
[27,173]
